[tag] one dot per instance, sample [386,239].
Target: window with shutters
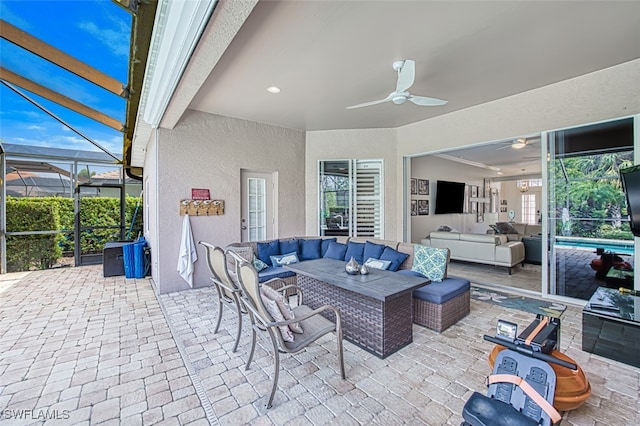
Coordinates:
[351,198]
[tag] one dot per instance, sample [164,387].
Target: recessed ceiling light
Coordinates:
[273,89]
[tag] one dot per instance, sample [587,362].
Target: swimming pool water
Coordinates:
[616,246]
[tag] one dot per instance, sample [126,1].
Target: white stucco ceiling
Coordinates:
[327,55]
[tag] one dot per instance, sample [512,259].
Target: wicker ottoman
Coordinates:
[439,305]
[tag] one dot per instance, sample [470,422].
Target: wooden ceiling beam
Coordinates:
[58,57]
[59,99]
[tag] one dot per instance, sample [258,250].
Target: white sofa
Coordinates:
[481,248]
[522,230]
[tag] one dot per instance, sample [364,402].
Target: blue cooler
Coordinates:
[129,260]
[139,269]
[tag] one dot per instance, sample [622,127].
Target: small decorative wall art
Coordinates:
[423,207]
[414,186]
[200,194]
[467,203]
[414,207]
[423,187]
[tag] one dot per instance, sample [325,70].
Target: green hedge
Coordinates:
[27,251]
[56,213]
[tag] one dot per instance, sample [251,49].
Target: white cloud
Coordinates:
[17,21]
[116,39]
[35,127]
[72,140]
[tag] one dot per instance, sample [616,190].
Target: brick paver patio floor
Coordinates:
[94,350]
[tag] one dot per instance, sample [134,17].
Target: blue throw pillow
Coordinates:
[309,249]
[372,250]
[430,261]
[287,246]
[284,259]
[394,256]
[377,263]
[355,250]
[411,273]
[336,251]
[264,251]
[325,245]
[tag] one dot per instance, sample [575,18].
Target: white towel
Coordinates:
[188,254]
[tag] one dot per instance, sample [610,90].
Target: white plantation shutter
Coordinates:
[351,191]
[368,199]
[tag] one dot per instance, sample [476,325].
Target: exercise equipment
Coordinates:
[531,381]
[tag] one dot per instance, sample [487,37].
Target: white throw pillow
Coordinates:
[377,263]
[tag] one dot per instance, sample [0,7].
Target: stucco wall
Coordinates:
[208,151]
[351,144]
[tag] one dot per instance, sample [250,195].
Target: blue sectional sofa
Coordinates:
[437,305]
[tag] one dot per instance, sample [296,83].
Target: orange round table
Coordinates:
[572,386]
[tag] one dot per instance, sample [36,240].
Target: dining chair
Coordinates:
[313,325]
[228,291]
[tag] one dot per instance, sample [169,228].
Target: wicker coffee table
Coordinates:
[376,309]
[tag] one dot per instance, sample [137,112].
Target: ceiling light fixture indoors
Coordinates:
[523,185]
[273,89]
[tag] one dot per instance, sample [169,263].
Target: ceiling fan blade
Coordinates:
[503,147]
[406,76]
[424,101]
[387,99]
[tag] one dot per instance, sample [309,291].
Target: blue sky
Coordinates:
[95,32]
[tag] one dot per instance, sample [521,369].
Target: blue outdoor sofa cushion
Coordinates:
[440,292]
[271,272]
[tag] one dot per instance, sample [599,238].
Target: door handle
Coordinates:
[244,228]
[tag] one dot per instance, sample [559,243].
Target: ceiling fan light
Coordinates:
[399,100]
[519,144]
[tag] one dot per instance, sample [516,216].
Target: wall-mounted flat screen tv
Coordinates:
[449,197]
[630,178]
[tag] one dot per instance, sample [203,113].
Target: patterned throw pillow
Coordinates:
[284,259]
[377,263]
[259,264]
[272,308]
[284,307]
[430,262]
[506,228]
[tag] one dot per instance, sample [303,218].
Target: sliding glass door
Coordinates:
[590,241]
[351,198]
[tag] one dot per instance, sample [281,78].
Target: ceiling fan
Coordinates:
[406,75]
[518,143]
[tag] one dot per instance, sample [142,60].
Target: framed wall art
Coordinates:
[414,186]
[414,207]
[423,187]
[423,207]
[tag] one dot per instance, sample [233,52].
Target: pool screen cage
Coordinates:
[60,207]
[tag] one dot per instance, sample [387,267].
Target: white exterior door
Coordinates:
[258,201]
